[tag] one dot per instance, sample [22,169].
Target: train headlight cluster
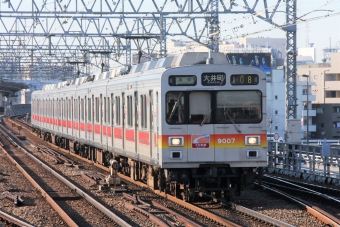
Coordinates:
[252,140]
[175,141]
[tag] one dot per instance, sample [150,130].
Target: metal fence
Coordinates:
[319,163]
[18,109]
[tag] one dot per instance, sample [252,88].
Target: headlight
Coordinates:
[252,140]
[176,141]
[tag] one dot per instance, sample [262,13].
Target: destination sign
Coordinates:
[182,80]
[213,79]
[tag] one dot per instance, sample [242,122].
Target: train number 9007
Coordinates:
[226,140]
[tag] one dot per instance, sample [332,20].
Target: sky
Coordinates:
[319,22]
[320,25]
[322,30]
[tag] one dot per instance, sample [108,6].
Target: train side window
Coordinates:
[89,115]
[105,109]
[75,117]
[117,110]
[112,109]
[97,109]
[175,107]
[70,108]
[108,111]
[129,111]
[61,103]
[53,110]
[58,104]
[65,109]
[101,108]
[82,112]
[144,122]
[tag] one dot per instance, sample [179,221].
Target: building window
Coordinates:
[330,94]
[275,96]
[322,125]
[276,111]
[320,110]
[337,109]
[276,127]
[336,125]
[304,92]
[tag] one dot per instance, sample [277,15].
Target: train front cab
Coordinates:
[204,145]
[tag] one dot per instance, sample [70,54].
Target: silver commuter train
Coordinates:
[190,125]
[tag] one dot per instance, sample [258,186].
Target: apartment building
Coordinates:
[326,89]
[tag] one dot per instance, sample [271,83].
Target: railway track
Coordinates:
[200,212]
[66,198]
[219,215]
[159,214]
[310,199]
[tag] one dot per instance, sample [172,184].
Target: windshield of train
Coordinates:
[238,106]
[211,107]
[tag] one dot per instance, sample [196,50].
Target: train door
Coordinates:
[91,125]
[98,119]
[200,129]
[89,119]
[117,135]
[111,120]
[136,121]
[153,125]
[43,113]
[65,117]
[77,117]
[59,109]
[101,115]
[70,117]
[55,114]
[52,114]
[82,117]
[60,120]
[48,106]
[124,112]
[105,122]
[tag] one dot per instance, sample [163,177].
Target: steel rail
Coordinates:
[13,220]
[151,217]
[87,197]
[320,214]
[198,210]
[49,199]
[178,216]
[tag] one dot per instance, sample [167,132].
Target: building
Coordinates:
[276,108]
[326,89]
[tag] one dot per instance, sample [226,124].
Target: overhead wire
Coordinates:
[233,29]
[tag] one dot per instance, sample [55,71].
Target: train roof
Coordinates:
[173,61]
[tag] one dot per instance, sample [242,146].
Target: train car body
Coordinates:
[178,124]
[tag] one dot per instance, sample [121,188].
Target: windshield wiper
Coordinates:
[206,118]
[174,107]
[232,121]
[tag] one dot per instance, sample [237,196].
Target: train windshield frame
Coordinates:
[214,107]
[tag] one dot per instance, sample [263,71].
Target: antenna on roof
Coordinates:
[209,60]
